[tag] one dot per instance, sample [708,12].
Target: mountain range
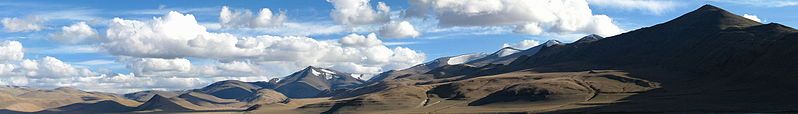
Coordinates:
[707,60]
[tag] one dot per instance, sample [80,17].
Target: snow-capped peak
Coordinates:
[552,43]
[506,51]
[322,72]
[589,38]
[460,59]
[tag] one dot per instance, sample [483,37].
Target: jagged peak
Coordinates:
[318,71]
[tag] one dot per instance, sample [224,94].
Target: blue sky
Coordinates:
[312,19]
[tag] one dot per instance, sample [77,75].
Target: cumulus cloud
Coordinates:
[11,51]
[530,28]
[529,16]
[359,12]
[229,18]
[401,29]
[155,52]
[50,67]
[172,36]
[159,67]
[13,80]
[356,40]
[178,36]
[232,69]
[6,69]
[74,33]
[50,72]
[365,52]
[651,6]
[15,24]
[525,44]
[404,58]
[752,17]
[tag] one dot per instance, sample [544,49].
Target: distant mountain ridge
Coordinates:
[426,67]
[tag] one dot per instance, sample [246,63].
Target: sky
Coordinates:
[125,45]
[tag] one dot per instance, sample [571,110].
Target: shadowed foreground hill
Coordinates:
[706,60]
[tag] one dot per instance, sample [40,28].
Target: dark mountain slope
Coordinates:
[708,60]
[695,41]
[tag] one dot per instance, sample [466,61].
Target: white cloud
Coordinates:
[6,69]
[178,36]
[652,6]
[74,33]
[13,80]
[359,12]
[233,69]
[525,44]
[174,35]
[752,17]
[159,67]
[529,28]
[356,40]
[556,16]
[155,51]
[401,29]
[356,68]
[14,24]
[50,67]
[244,18]
[49,72]
[404,58]
[366,52]
[762,3]
[11,51]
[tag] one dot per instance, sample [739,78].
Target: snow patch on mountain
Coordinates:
[507,51]
[464,58]
[552,43]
